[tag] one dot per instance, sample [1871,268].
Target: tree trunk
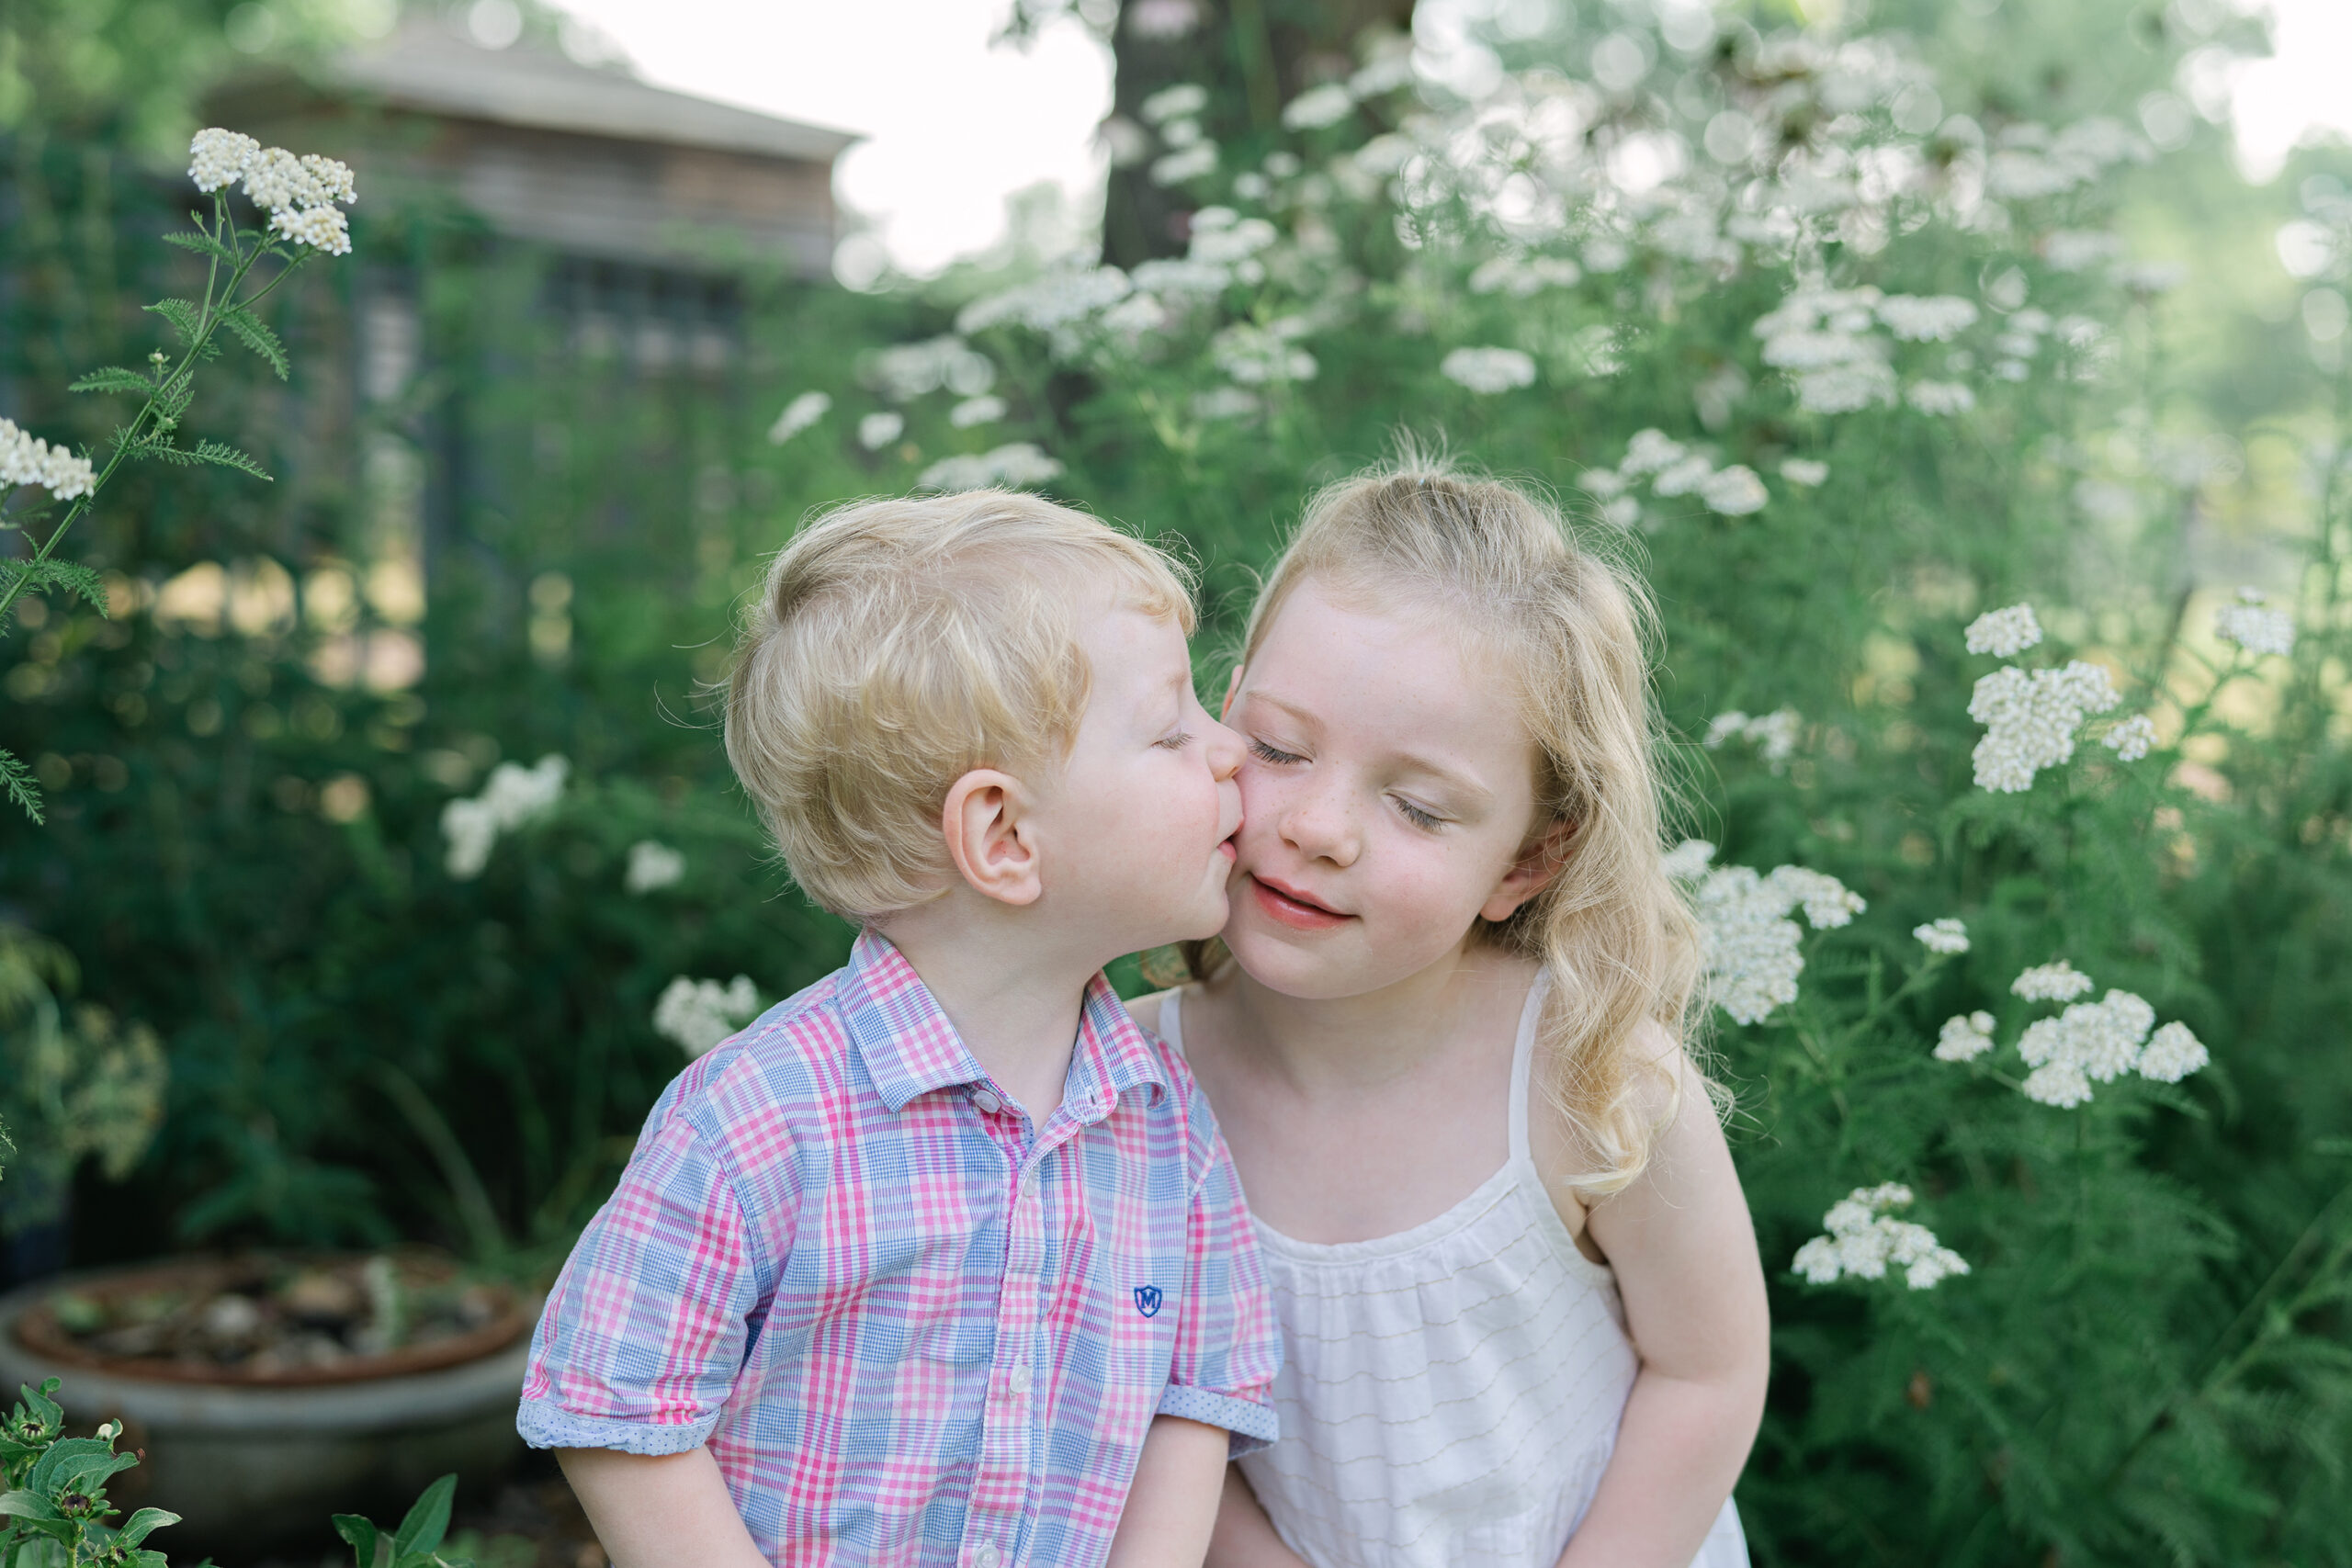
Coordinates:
[1251,57]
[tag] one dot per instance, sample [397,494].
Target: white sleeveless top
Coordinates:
[1448,1395]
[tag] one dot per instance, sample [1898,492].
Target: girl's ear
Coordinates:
[1533,871]
[1232,690]
[990,838]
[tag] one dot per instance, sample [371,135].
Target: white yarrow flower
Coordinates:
[1684,475]
[1015,466]
[1946,935]
[2133,738]
[1936,319]
[798,416]
[2057,981]
[27,459]
[1734,491]
[1805,471]
[515,795]
[2172,1054]
[876,431]
[1750,945]
[652,867]
[1649,451]
[320,227]
[1488,371]
[1189,164]
[2004,634]
[2255,626]
[218,157]
[1845,388]
[698,1014]
[987,408]
[1965,1037]
[1319,107]
[1940,398]
[1182,101]
[2059,1083]
[1687,862]
[1863,1239]
[2030,718]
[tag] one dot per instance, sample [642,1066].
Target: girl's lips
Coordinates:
[1292,912]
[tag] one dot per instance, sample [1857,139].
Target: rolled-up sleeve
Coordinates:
[1227,1346]
[644,1333]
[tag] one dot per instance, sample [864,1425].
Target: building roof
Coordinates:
[425,65]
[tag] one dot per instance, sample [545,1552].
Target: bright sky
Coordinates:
[955,126]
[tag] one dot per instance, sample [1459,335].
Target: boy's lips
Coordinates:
[1294,907]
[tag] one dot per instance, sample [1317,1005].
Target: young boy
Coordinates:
[940,1261]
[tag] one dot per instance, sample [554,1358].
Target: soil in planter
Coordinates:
[278,1318]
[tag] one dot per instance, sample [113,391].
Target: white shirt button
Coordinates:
[987,1557]
[988,1105]
[1028,1185]
[1020,1380]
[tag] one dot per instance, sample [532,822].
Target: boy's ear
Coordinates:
[1533,871]
[990,838]
[1232,690]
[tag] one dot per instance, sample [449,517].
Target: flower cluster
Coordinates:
[1864,1240]
[698,1014]
[1750,944]
[1673,469]
[1488,371]
[2133,738]
[2254,625]
[1942,936]
[1965,1037]
[27,459]
[798,416]
[2089,1043]
[1825,342]
[1774,735]
[1019,465]
[515,795]
[300,192]
[2031,719]
[652,867]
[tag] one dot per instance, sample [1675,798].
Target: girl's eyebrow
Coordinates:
[1472,791]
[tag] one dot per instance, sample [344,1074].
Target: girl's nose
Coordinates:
[1321,828]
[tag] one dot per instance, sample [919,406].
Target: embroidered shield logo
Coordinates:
[1148,1300]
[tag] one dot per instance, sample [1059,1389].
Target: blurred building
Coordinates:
[643,210]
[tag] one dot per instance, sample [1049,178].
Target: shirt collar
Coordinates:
[910,1047]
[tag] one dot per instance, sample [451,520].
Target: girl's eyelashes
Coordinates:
[1266,753]
[1177,741]
[1415,815]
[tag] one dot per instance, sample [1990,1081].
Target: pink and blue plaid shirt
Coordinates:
[911,1328]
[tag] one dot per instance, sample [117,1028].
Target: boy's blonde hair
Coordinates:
[899,644]
[1574,627]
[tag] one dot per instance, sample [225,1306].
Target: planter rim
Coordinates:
[32,1327]
[392,1401]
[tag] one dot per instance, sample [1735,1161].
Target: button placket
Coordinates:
[1000,1489]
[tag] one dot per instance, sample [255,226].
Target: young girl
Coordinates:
[1523,1319]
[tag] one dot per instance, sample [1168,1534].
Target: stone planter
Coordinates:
[249,1460]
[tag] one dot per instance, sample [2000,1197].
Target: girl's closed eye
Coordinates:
[1417,815]
[1266,753]
[1176,742]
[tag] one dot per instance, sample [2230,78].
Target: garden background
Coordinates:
[1851,323]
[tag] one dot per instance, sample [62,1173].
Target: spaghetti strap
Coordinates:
[1172,1024]
[1522,1064]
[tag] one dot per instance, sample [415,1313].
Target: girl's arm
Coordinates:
[1684,1252]
[1245,1536]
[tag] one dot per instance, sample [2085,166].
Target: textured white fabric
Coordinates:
[1448,1395]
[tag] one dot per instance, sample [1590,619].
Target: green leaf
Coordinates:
[184,315]
[113,378]
[38,1401]
[428,1521]
[362,1534]
[18,780]
[71,576]
[77,1464]
[228,456]
[203,245]
[28,1505]
[144,1523]
[256,335]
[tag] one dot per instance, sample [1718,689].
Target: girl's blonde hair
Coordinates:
[1575,627]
